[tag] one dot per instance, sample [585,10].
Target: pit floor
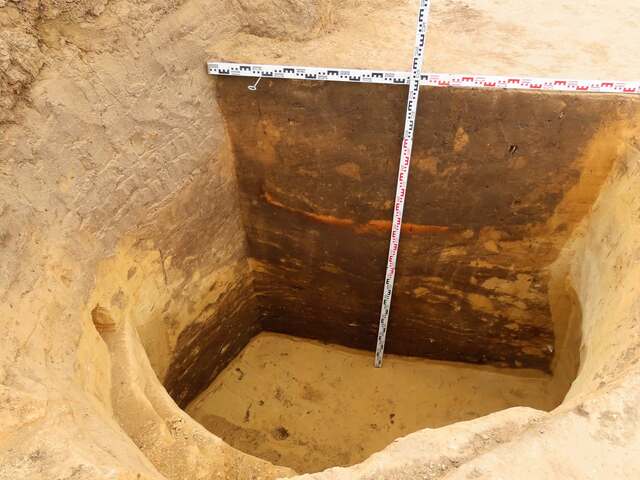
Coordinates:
[310,406]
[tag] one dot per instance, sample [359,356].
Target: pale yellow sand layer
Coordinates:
[308,405]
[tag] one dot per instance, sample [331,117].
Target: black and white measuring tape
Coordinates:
[389,77]
[414,79]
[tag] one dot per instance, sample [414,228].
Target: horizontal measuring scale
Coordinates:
[389,77]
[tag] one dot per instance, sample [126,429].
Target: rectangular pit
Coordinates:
[500,181]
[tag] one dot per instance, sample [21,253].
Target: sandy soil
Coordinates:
[502,37]
[310,406]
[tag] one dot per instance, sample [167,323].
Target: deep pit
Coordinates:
[481,319]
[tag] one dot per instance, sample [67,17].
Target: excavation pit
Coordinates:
[482,318]
[256,292]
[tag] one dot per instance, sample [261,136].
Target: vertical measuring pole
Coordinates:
[403,177]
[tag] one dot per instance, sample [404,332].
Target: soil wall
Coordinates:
[499,182]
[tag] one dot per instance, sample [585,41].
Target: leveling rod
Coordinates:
[403,178]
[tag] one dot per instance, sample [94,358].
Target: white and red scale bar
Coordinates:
[403,178]
[389,77]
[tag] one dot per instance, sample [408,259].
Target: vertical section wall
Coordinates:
[499,180]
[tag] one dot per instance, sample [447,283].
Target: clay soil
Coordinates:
[310,406]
